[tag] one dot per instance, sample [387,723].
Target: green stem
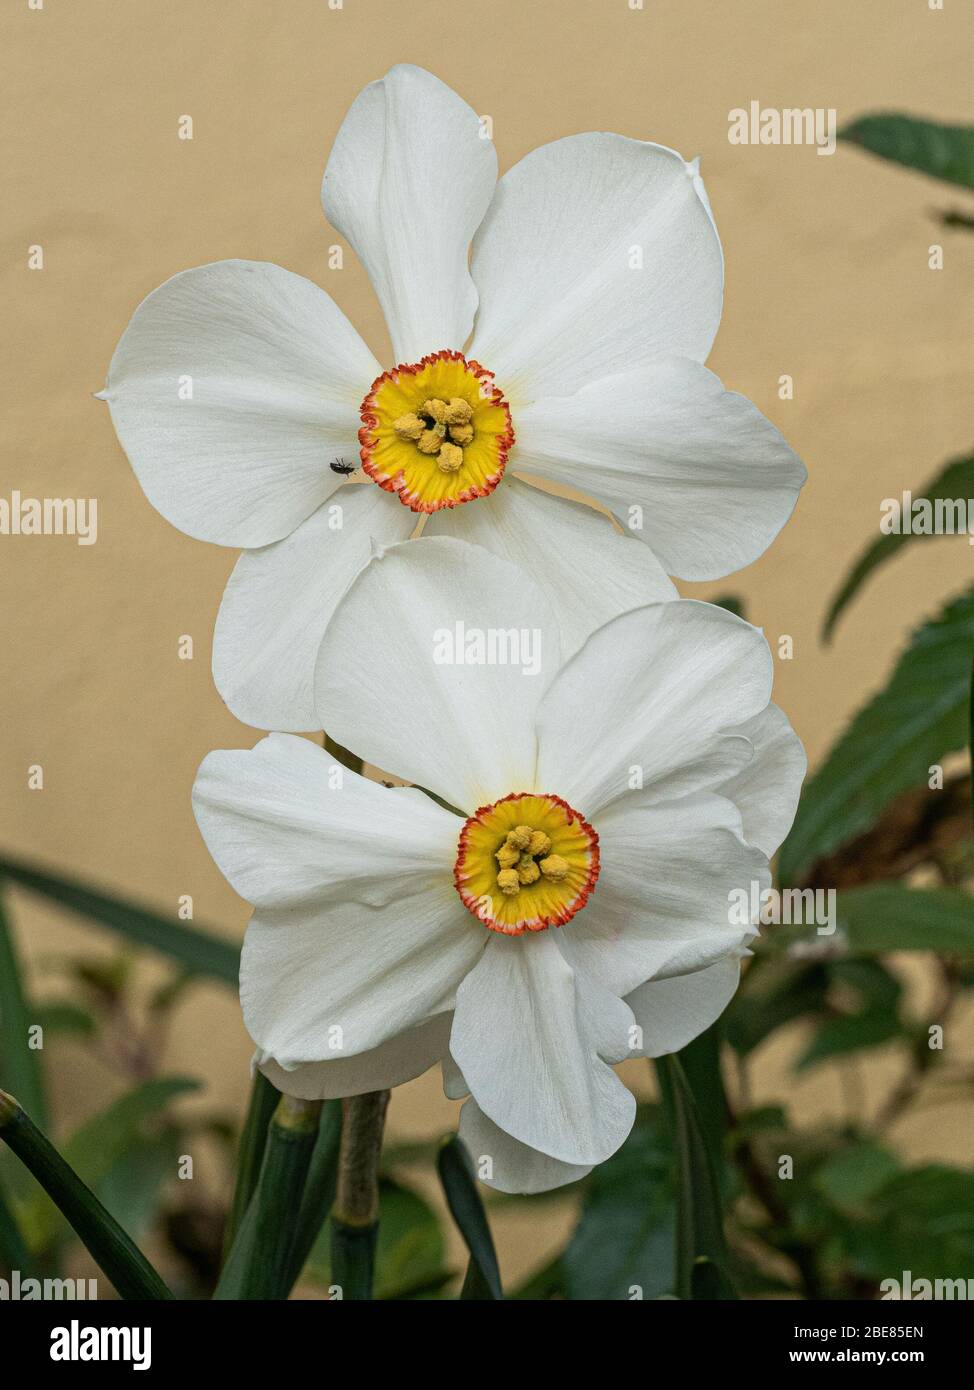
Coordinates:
[113,1251]
[259,1265]
[253,1141]
[355,1218]
[342,755]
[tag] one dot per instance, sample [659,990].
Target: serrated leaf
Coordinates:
[944,152]
[920,717]
[954,483]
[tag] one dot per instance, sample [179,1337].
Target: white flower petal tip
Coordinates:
[693,470]
[597,254]
[380,191]
[671,1012]
[230,389]
[101,395]
[507,1165]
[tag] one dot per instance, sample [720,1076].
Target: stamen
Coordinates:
[554,867]
[450,459]
[508,882]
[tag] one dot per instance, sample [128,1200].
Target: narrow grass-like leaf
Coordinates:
[250,1153]
[13,1248]
[922,715]
[20,1070]
[943,151]
[113,1251]
[700,1228]
[198,951]
[954,484]
[260,1262]
[483,1279]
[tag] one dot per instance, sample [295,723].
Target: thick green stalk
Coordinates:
[114,1252]
[355,1217]
[259,1265]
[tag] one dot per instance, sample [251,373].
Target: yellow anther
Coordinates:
[409,426]
[507,856]
[554,867]
[527,870]
[429,442]
[450,459]
[540,843]
[508,882]
[520,836]
[458,411]
[461,434]
[436,410]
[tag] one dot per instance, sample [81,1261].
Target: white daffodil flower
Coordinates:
[243,396]
[571,912]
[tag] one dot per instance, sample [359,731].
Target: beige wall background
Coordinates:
[827,281]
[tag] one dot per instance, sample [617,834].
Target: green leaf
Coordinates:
[113,1251]
[922,715]
[921,1220]
[104,1142]
[64,1019]
[700,1225]
[453,1163]
[20,1071]
[955,482]
[13,1247]
[250,1155]
[850,1177]
[625,1241]
[732,602]
[892,917]
[198,951]
[943,151]
[260,1263]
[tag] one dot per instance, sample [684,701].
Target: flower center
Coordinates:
[525,863]
[437,432]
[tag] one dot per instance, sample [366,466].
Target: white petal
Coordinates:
[277,375]
[408,182]
[530,1034]
[507,1165]
[288,826]
[654,687]
[597,254]
[589,572]
[278,602]
[454,1082]
[767,789]
[695,471]
[325,981]
[672,1012]
[389,688]
[391,1064]
[663,902]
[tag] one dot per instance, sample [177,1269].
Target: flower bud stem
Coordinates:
[355,1218]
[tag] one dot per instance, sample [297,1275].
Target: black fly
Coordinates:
[340,466]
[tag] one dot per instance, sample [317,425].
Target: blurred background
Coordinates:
[828,283]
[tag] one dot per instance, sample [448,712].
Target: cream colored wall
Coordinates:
[827,281]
